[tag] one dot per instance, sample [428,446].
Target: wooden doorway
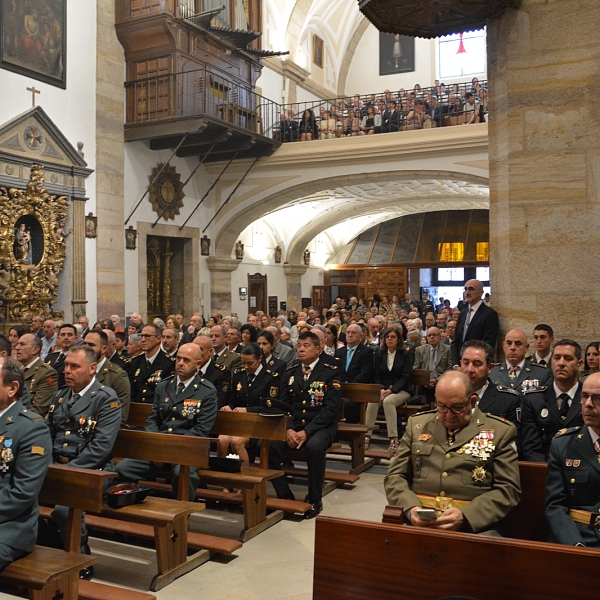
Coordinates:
[257,293]
[164,256]
[321,296]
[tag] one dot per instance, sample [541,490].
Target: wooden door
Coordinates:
[321,296]
[257,293]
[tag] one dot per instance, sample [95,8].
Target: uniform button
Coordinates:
[143,391]
[65,445]
[170,429]
[448,456]
[303,412]
[442,494]
[67,433]
[444,474]
[418,451]
[172,418]
[572,481]
[303,401]
[174,408]
[68,420]
[303,421]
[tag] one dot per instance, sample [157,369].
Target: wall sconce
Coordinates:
[130,238]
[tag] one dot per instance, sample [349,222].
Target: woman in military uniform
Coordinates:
[249,386]
[266,341]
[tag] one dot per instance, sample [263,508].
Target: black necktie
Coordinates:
[564,407]
[148,364]
[179,389]
[251,379]
[542,362]
[73,399]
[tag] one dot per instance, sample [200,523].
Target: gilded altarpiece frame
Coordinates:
[32,249]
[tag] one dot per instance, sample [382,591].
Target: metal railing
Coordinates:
[451,100]
[200,92]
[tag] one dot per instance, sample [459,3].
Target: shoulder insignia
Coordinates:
[336,385]
[561,431]
[498,418]
[105,370]
[568,431]
[50,380]
[220,366]
[239,370]
[502,388]
[541,388]
[113,405]
[225,386]
[38,450]
[329,365]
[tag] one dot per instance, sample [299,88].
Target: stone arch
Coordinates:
[359,30]
[231,228]
[295,26]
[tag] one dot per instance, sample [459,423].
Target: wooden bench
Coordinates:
[80,490]
[163,519]
[358,559]
[242,425]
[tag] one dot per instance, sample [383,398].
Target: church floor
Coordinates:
[276,564]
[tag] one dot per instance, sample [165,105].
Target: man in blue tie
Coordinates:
[477,321]
[356,362]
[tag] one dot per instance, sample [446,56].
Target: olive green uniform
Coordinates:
[42,381]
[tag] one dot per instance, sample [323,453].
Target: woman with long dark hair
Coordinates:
[248,334]
[591,360]
[393,364]
[309,130]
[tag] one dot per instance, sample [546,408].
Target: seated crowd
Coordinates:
[419,108]
[541,406]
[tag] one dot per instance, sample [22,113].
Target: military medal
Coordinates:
[481,446]
[479,474]
[291,380]
[424,437]
[576,463]
[239,387]
[273,392]
[7,455]
[544,413]
[569,462]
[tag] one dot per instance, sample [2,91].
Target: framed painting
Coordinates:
[317,55]
[33,39]
[396,53]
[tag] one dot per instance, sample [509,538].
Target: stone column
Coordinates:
[220,282]
[293,274]
[544,153]
[110,153]
[78,293]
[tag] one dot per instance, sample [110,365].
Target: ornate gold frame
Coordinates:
[30,288]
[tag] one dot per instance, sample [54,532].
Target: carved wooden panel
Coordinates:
[386,282]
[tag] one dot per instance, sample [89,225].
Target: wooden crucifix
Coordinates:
[33,93]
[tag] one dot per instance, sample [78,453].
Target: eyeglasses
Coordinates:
[147,335]
[455,409]
[595,398]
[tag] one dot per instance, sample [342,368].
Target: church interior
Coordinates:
[152,162]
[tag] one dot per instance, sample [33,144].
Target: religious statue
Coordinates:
[23,244]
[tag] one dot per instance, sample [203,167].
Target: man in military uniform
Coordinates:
[84,419]
[150,368]
[183,405]
[552,408]
[223,356]
[110,352]
[457,461]
[518,373]
[109,374]
[41,379]
[313,389]
[218,375]
[543,338]
[25,453]
[67,338]
[476,363]
[573,482]
[426,305]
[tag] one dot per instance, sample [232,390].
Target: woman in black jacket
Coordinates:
[249,386]
[393,364]
[309,130]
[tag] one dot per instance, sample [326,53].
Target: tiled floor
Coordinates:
[277,564]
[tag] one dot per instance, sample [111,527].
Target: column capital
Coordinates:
[224,265]
[295,269]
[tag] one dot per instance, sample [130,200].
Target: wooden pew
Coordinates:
[358,559]
[163,519]
[81,490]
[48,572]
[243,425]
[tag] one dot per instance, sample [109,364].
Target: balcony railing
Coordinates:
[201,92]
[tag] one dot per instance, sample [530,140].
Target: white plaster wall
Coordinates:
[73,111]
[139,162]
[313,276]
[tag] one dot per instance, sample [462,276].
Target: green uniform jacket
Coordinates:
[112,376]
[573,482]
[26,435]
[194,413]
[427,464]
[42,381]
[85,433]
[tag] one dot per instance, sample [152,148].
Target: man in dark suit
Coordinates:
[390,120]
[26,451]
[516,372]
[218,375]
[477,362]
[477,322]
[356,364]
[573,483]
[551,409]
[150,368]
[67,338]
[312,389]
[433,356]
[435,114]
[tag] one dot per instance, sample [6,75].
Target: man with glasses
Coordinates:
[556,407]
[456,461]
[477,321]
[149,368]
[573,483]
